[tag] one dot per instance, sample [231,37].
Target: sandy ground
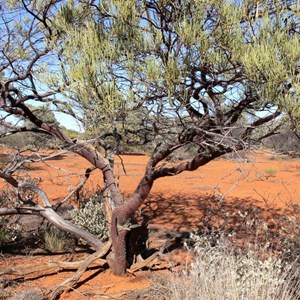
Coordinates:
[249,178]
[179,203]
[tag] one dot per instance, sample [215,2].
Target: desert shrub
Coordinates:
[285,142]
[239,156]
[218,272]
[270,172]
[290,235]
[30,295]
[57,241]
[9,232]
[31,140]
[17,140]
[91,217]
[134,149]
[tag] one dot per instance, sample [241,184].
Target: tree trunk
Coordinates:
[117,259]
[120,226]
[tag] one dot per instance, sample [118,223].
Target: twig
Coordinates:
[122,164]
[78,188]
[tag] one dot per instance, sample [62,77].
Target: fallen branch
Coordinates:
[70,282]
[148,262]
[52,267]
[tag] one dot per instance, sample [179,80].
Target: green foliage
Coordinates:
[110,63]
[270,172]
[122,68]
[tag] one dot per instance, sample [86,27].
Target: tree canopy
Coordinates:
[194,60]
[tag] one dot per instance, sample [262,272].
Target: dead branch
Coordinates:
[148,262]
[78,188]
[70,282]
[20,211]
[152,261]
[50,268]
[49,213]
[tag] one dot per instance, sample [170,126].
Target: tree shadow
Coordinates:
[244,221]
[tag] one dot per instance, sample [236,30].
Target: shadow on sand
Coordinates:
[243,221]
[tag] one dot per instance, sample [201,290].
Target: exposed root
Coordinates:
[70,282]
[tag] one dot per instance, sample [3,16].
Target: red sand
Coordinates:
[178,197]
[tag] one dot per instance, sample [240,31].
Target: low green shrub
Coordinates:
[270,172]
[91,217]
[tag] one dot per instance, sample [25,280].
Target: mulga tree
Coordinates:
[200,74]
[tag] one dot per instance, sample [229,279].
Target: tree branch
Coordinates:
[48,213]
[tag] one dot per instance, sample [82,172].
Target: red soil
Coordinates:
[176,203]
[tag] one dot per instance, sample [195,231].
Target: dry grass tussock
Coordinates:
[57,241]
[217,273]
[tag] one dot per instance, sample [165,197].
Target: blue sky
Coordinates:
[68,121]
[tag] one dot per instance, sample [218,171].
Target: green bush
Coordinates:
[8,232]
[91,217]
[270,172]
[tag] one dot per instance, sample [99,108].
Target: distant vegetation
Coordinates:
[287,142]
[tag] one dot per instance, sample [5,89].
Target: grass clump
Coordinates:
[271,172]
[219,273]
[57,241]
[30,295]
